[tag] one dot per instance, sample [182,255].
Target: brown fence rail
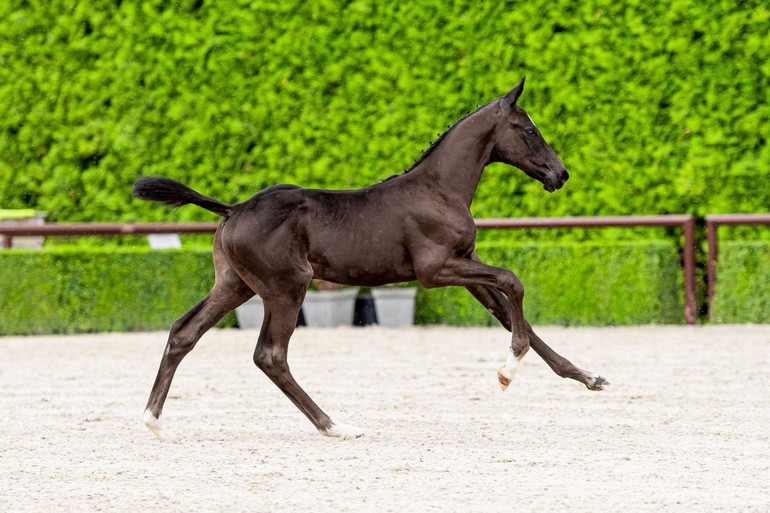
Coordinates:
[686,222]
[712,223]
[100,229]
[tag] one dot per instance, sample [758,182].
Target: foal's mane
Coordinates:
[426,153]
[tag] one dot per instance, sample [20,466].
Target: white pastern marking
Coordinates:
[342,431]
[508,371]
[154,425]
[511,366]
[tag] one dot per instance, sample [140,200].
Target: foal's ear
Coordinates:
[509,100]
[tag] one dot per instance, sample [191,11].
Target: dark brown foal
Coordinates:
[414,226]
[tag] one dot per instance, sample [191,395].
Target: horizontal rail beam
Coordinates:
[80,229]
[101,229]
[734,219]
[584,222]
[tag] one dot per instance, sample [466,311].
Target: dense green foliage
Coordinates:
[743,282]
[81,290]
[575,284]
[655,107]
[75,291]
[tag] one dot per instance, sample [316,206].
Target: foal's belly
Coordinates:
[363,260]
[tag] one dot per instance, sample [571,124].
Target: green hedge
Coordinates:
[575,284]
[75,291]
[71,291]
[742,292]
[655,107]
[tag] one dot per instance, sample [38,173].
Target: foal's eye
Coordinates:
[531,132]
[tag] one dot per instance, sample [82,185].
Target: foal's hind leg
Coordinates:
[563,367]
[228,292]
[496,303]
[271,357]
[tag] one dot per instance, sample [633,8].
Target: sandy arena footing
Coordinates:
[684,427]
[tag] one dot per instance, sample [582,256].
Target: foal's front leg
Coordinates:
[494,301]
[471,272]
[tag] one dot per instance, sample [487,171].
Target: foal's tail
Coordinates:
[171,192]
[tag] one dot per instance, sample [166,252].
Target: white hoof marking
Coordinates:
[342,431]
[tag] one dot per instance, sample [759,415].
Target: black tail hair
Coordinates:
[176,194]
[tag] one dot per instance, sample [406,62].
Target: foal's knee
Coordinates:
[269,362]
[514,287]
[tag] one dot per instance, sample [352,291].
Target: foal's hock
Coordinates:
[414,226]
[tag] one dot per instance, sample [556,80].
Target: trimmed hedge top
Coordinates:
[655,107]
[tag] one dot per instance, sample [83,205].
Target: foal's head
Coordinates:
[519,143]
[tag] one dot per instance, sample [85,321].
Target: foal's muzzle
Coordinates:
[555,181]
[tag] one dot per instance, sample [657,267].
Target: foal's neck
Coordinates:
[455,165]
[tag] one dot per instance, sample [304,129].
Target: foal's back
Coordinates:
[355,237]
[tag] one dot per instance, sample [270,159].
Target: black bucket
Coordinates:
[364,313]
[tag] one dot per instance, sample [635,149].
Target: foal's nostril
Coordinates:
[564,175]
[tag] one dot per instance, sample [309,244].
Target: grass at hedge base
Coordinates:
[574,284]
[742,291]
[76,290]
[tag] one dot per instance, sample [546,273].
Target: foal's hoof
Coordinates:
[342,431]
[503,379]
[598,383]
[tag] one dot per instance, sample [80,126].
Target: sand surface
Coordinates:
[685,426]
